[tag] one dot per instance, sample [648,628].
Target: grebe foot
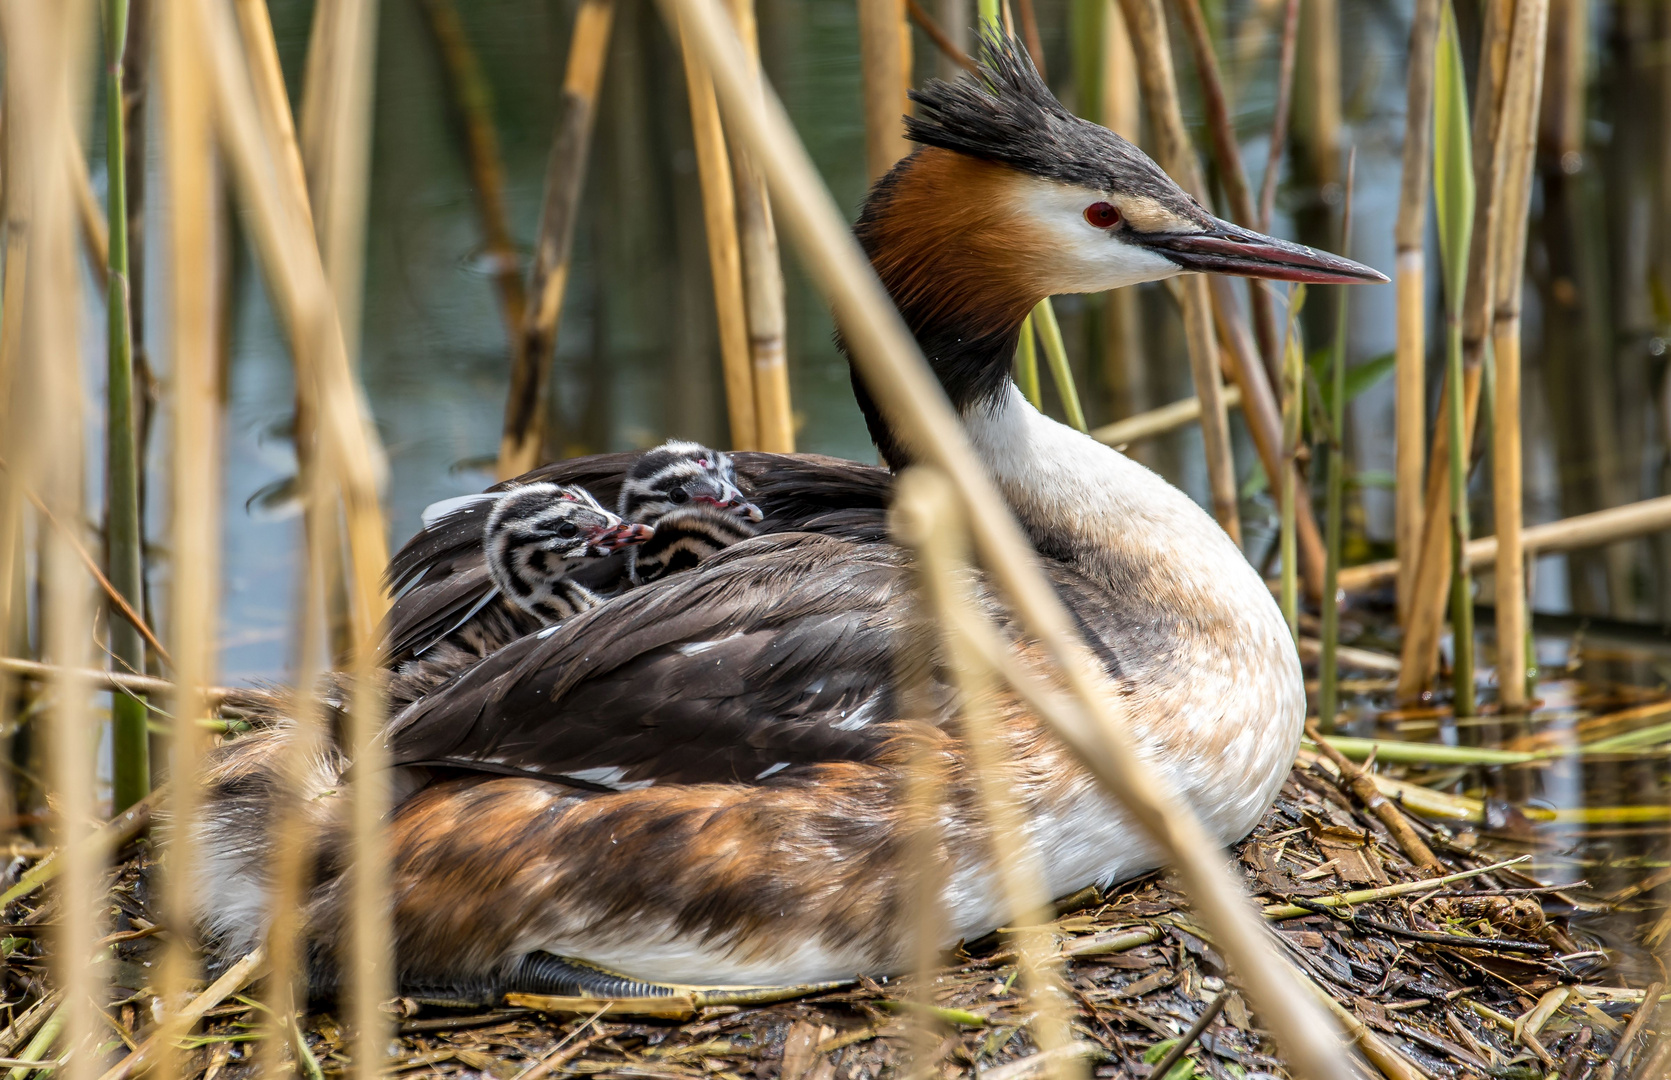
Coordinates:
[559,976]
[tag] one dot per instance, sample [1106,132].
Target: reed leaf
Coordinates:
[1293,413]
[1027,365]
[1453,189]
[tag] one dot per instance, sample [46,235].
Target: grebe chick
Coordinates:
[535,538]
[539,534]
[690,495]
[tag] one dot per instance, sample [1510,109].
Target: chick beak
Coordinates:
[611,538]
[1224,248]
[729,498]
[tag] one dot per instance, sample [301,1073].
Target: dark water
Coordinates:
[636,360]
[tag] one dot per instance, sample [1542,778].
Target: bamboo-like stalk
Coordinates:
[953,57]
[1147,24]
[130,744]
[95,234]
[1221,131]
[1027,365]
[1280,112]
[523,438]
[928,518]
[1293,413]
[1467,300]
[1328,699]
[188,175]
[44,47]
[899,378]
[762,274]
[885,75]
[1318,122]
[1410,238]
[472,99]
[1167,418]
[1522,89]
[725,260]
[1056,354]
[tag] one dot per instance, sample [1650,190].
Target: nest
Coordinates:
[1436,974]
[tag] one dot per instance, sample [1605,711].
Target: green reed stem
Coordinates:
[1328,694]
[1293,410]
[1027,365]
[130,743]
[1056,354]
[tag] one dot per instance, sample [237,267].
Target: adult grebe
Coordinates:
[702,780]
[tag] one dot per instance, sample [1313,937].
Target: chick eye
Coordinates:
[568,530]
[1102,215]
[678,496]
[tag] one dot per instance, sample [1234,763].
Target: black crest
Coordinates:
[1006,113]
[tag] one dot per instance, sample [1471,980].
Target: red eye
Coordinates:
[1102,215]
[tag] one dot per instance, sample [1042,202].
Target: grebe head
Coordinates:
[679,474]
[1010,198]
[537,534]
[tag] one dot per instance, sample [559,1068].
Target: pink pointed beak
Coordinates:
[1230,249]
[626,534]
[734,502]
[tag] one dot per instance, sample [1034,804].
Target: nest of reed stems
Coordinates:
[1466,969]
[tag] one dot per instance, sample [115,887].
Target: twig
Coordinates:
[1187,1040]
[1382,1054]
[561,1054]
[232,980]
[1579,531]
[1431,938]
[1147,425]
[110,838]
[1279,912]
[116,600]
[1638,1020]
[109,680]
[925,22]
[1366,791]
[1028,1067]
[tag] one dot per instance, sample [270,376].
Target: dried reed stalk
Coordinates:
[1147,24]
[885,74]
[44,48]
[190,245]
[1569,534]
[1564,109]
[95,233]
[1147,425]
[296,276]
[1440,517]
[130,747]
[1318,120]
[1221,131]
[1120,110]
[336,147]
[1280,111]
[952,56]
[1521,90]
[927,517]
[897,375]
[523,439]
[472,99]
[1410,238]
[725,260]
[1264,422]
[762,274]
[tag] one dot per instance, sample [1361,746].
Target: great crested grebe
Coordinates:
[702,780]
